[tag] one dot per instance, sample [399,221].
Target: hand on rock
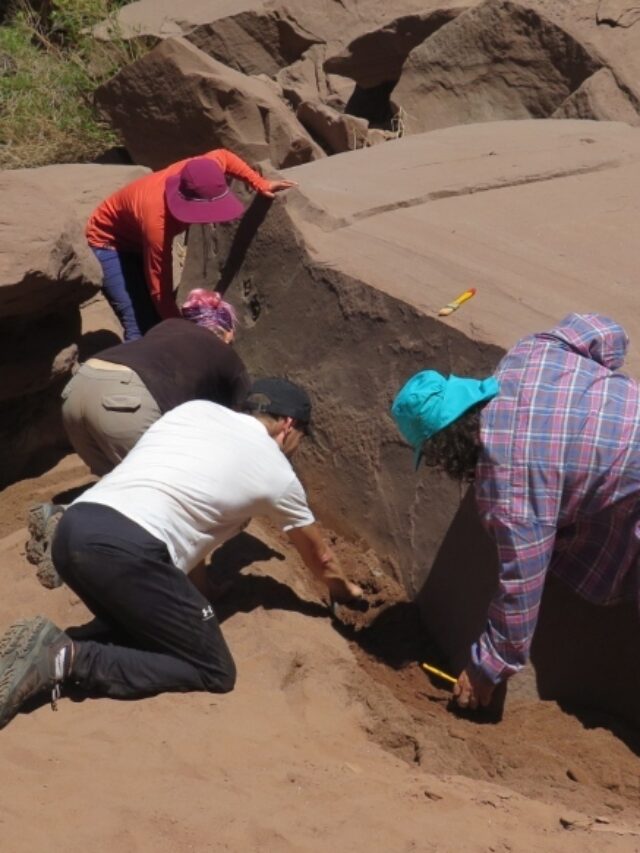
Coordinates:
[277,187]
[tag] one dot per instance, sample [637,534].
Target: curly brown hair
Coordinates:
[456,448]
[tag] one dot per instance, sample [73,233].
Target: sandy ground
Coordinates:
[334,739]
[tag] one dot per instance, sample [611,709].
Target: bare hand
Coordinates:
[343,591]
[277,187]
[470,693]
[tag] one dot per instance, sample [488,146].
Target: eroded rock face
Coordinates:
[177,102]
[337,131]
[496,61]
[339,288]
[255,42]
[378,56]
[600,98]
[618,13]
[47,272]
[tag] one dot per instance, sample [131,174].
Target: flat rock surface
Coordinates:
[542,217]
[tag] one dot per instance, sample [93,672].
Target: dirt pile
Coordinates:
[333,737]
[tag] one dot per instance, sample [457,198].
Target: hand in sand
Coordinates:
[277,187]
[343,591]
[472,694]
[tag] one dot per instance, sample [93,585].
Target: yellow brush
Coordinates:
[439,673]
[452,306]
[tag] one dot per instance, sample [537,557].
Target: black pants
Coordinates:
[126,577]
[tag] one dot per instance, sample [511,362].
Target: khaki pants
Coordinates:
[105,411]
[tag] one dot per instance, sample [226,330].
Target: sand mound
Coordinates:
[333,739]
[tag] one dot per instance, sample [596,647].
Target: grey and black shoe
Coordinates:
[41,523]
[35,656]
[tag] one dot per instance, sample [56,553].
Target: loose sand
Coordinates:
[333,738]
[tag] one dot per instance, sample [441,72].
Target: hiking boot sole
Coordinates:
[20,649]
[42,524]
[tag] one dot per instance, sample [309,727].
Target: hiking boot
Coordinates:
[41,523]
[35,656]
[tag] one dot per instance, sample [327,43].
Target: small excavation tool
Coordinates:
[439,673]
[460,300]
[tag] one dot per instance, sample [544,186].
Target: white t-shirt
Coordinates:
[198,475]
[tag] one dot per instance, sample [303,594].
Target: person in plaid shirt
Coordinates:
[552,443]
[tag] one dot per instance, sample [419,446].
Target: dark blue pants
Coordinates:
[169,636]
[125,289]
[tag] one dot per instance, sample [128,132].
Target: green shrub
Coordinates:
[50,66]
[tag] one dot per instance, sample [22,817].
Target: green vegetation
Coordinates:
[50,66]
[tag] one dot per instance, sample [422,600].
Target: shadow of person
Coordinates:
[243,593]
[250,592]
[242,240]
[238,553]
[594,719]
[94,342]
[68,495]
[397,638]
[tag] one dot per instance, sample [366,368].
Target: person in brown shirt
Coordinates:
[116,395]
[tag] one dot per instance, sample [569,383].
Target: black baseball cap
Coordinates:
[279,397]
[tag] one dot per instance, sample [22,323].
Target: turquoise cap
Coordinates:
[429,402]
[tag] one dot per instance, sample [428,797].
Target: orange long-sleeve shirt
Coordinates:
[136,219]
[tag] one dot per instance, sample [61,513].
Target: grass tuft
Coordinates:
[50,66]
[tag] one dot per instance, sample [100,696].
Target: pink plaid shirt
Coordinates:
[558,480]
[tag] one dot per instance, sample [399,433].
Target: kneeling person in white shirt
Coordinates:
[126,545]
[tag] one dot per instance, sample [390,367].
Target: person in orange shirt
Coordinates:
[132,231]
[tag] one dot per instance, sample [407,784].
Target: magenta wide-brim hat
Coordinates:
[198,211]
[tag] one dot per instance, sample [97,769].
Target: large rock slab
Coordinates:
[499,60]
[340,287]
[177,102]
[47,272]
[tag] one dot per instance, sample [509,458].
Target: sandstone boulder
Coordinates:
[260,37]
[306,80]
[336,131]
[254,42]
[541,217]
[160,19]
[237,24]
[600,98]
[46,273]
[177,102]
[378,56]
[499,60]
